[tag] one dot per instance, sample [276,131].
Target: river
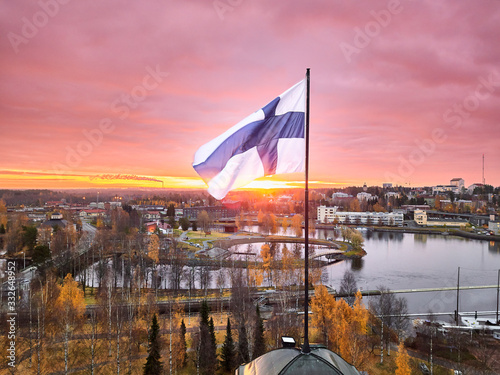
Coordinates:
[413,261]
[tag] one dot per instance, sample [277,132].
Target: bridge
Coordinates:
[329,253]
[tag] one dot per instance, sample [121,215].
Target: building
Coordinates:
[459,183]
[290,360]
[386,185]
[91,213]
[215,212]
[331,215]
[163,228]
[364,196]
[152,215]
[471,188]
[392,194]
[420,217]
[56,220]
[340,195]
[494,225]
[443,189]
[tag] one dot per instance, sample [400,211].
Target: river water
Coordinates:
[413,261]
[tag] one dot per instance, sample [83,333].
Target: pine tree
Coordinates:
[153,364]
[243,356]
[259,346]
[207,355]
[183,342]
[227,354]
[211,329]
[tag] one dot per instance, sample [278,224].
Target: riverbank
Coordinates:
[243,238]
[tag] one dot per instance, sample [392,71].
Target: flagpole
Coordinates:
[305,347]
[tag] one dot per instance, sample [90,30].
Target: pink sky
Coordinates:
[415,101]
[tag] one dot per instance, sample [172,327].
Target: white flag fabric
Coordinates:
[269,141]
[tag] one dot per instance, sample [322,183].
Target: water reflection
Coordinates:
[357,264]
[494,247]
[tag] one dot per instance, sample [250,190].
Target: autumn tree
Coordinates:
[343,328]
[348,287]
[285,224]
[297,224]
[204,221]
[71,306]
[402,361]
[153,364]
[354,206]
[322,307]
[265,253]
[353,340]
[154,248]
[260,217]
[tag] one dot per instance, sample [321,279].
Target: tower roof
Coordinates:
[291,361]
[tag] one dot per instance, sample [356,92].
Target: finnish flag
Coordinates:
[269,141]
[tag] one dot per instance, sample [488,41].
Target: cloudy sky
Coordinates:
[405,91]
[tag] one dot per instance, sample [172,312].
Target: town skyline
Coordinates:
[401,93]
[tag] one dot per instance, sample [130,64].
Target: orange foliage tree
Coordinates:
[71,306]
[265,253]
[343,329]
[297,224]
[402,361]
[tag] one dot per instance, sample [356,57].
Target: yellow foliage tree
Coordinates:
[343,328]
[402,361]
[322,306]
[285,224]
[377,207]
[273,224]
[255,276]
[260,217]
[265,253]
[297,224]
[354,206]
[154,248]
[71,300]
[3,213]
[71,307]
[355,350]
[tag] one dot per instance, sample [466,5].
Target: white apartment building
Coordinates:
[331,215]
[364,196]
